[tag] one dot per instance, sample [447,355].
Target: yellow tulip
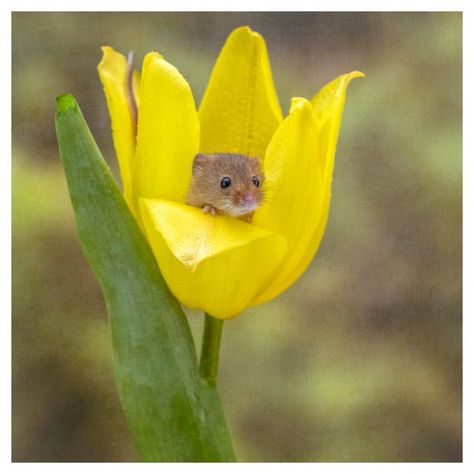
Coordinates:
[217,263]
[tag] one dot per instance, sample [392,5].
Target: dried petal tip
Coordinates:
[130,95]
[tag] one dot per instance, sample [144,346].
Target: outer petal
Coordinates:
[215,263]
[240,111]
[328,106]
[292,189]
[113,73]
[168,132]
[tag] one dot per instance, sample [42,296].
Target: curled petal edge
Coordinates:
[214,263]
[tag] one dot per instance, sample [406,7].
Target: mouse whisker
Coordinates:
[273,173]
[271,188]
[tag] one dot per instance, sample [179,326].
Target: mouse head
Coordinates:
[232,182]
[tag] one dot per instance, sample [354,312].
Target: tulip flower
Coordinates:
[218,263]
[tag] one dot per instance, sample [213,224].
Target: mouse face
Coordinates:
[230,182]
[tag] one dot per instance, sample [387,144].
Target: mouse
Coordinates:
[226,183]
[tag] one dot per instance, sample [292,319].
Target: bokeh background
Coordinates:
[361,359]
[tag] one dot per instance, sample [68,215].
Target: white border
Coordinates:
[468,236]
[242,5]
[238,5]
[5,237]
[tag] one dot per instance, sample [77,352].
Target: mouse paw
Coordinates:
[247,218]
[207,209]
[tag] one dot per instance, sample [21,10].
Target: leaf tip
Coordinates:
[65,102]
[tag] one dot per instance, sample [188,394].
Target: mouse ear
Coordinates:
[199,162]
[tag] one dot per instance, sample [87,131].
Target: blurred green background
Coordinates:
[360,360]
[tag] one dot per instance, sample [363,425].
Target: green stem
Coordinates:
[211,340]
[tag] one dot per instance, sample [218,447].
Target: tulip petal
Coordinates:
[168,132]
[214,263]
[113,73]
[328,106]
[240,110]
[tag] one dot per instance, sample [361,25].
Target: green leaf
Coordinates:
[171,413]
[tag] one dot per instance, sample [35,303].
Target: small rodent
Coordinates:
[226,183]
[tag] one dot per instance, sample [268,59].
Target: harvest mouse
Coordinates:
[226,183]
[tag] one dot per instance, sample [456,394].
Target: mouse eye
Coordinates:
[225,182]
[256,181]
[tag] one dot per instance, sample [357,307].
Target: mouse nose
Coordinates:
[246,199]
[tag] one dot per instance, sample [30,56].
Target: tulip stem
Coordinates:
[211,340]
